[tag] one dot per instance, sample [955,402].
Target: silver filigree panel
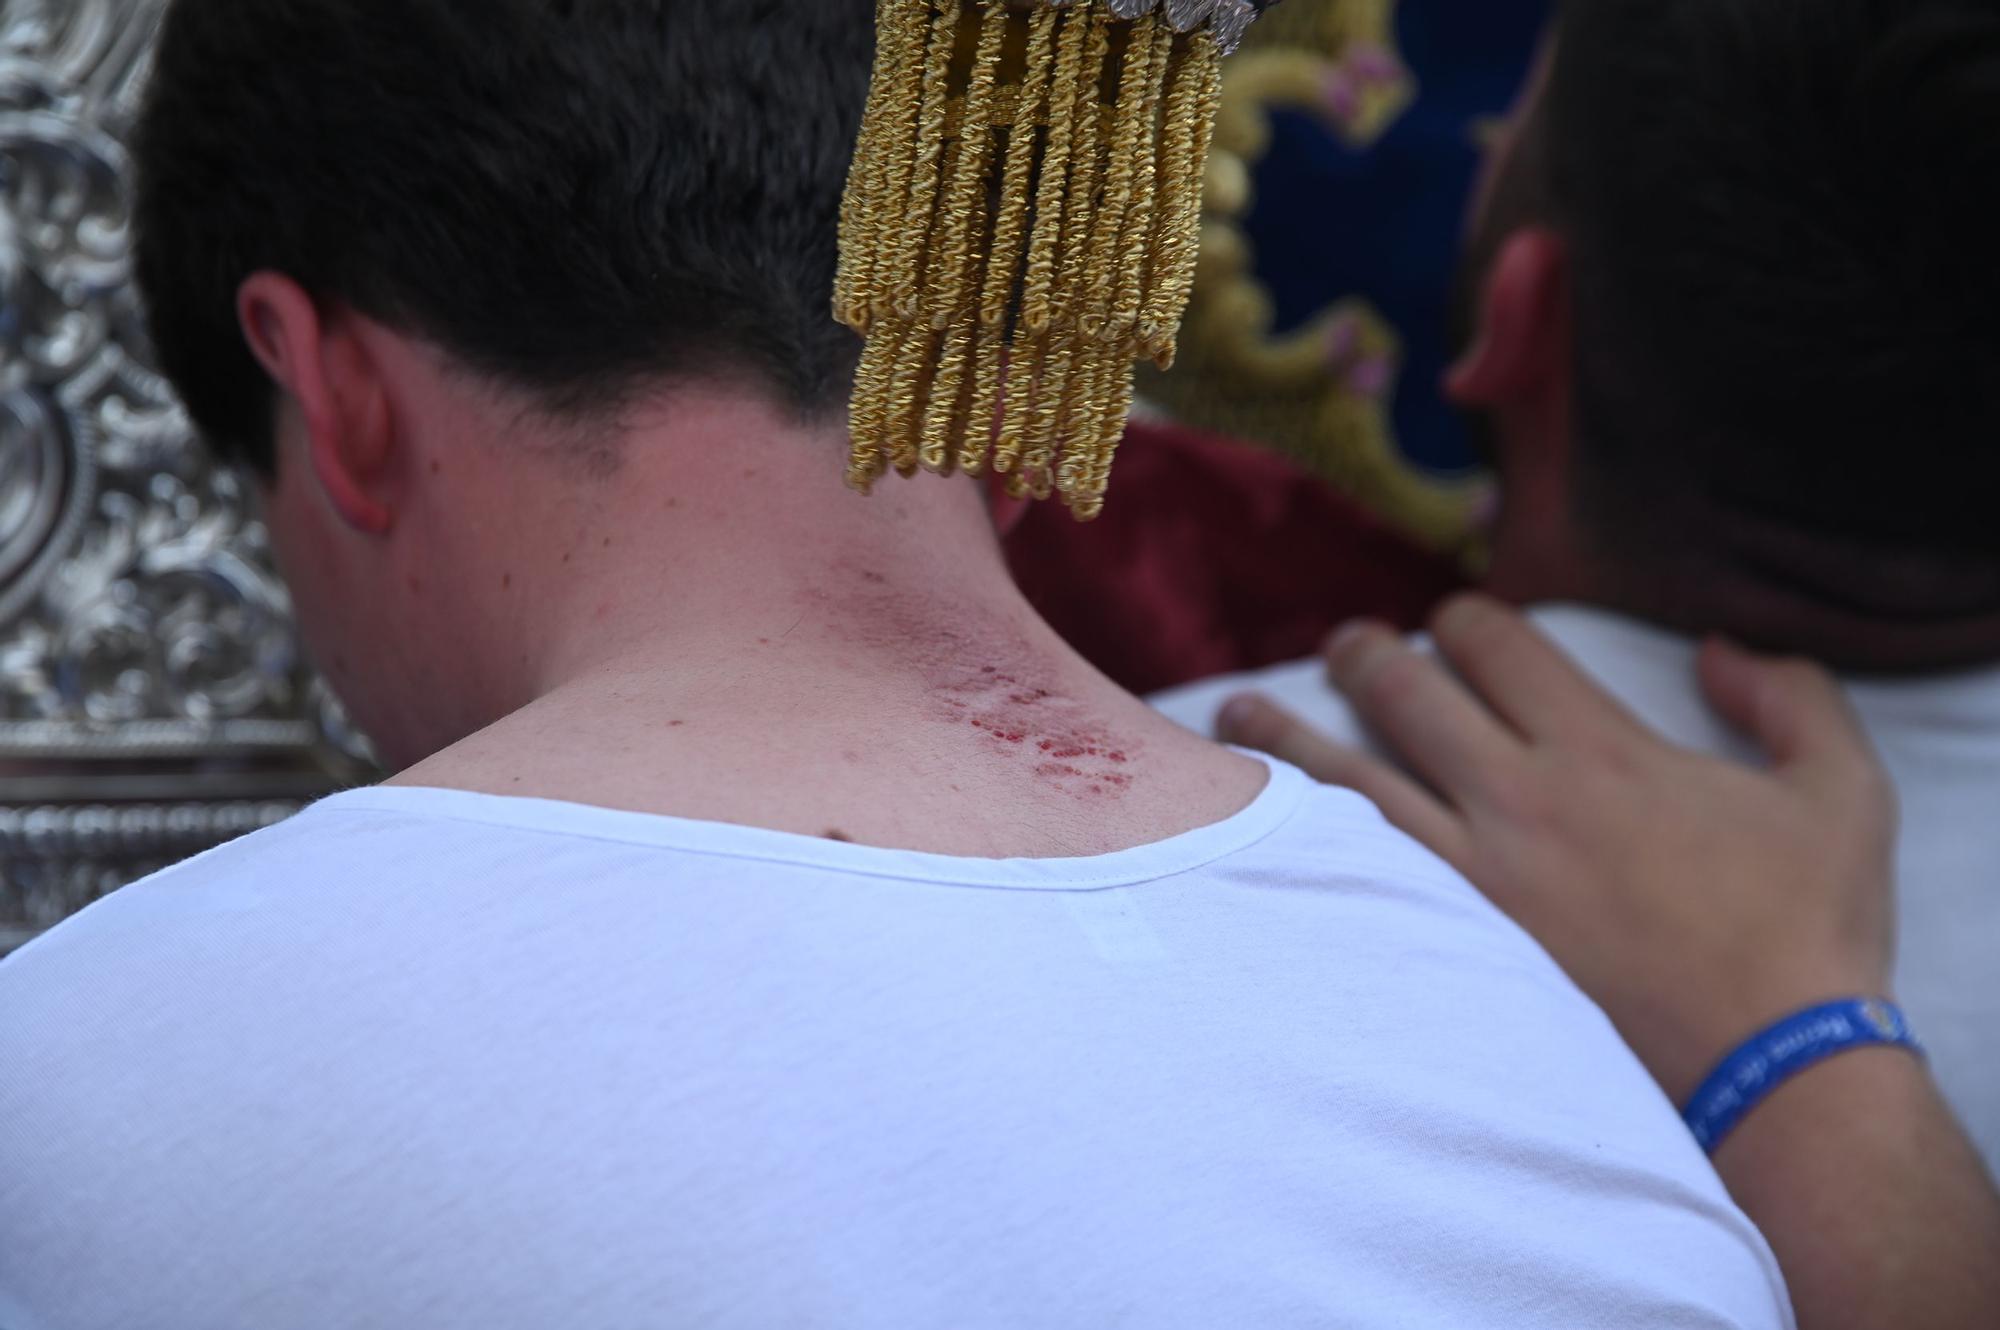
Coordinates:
[152,697]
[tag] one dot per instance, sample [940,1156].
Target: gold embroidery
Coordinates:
[1020,228]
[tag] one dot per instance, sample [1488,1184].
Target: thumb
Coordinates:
[1794,709]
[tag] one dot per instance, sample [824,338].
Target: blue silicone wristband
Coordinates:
[1773,1056]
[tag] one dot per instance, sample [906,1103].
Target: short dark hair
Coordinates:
[573,197]
[1784,222]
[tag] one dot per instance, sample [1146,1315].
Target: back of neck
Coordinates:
[725,633]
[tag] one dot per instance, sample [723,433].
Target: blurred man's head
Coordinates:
[419,262]
[1733,322]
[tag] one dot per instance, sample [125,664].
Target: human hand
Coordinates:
[1695,900]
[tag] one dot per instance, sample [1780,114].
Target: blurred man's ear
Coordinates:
[1518,376]
[315,358]
[1519,361]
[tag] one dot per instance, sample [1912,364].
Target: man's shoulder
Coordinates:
[192,913]
[152,914]
[354,850]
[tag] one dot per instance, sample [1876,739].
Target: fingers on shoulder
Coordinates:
[1429,718]
[1383,675]
[1801,716]
[1828,733]
[1523,675]
[1256,722]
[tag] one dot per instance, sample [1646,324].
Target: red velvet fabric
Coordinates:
[1214,556]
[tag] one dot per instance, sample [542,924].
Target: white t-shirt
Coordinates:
[430,1059]
[1939,738]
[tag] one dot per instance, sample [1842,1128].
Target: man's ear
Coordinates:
[316,359]
[1522,350]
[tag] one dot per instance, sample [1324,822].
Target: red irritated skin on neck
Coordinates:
[1010,696]
[1023,719]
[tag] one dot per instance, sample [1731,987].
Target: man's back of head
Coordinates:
[521,312]
[1778,220]
[576,200]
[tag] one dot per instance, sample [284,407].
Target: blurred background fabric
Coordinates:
[152,700]
[1395,207]
[1218,556]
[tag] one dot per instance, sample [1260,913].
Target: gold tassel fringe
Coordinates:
[1020,227]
